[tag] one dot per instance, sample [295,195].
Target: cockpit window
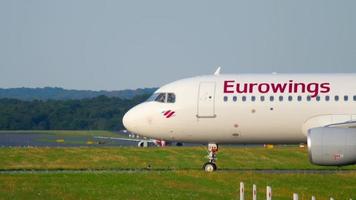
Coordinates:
[171,98]
[163,97]
[153,97]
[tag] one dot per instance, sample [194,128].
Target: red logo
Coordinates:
[168,113]
[338,156]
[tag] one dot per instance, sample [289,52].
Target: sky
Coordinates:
[114,45]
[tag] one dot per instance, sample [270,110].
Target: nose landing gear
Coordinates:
[213,150]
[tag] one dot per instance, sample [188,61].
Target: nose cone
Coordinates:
[129,121]
[138,120]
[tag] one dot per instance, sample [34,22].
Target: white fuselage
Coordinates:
[239,109]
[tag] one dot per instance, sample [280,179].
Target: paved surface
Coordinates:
[24,139]
[40,139]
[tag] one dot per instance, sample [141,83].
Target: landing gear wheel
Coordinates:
[209,167]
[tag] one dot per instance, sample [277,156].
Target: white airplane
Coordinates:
[319,109]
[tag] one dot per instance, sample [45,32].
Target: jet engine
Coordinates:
[332,146]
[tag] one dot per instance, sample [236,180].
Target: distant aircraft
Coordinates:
[317,109]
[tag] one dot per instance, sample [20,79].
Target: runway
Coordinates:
[53,139]
[146,170]
[66,139]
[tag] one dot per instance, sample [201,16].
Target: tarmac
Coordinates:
[33,139]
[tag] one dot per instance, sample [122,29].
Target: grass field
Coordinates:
[177,158]
[185,181]
[172,185]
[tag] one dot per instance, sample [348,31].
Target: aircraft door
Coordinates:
[206,100]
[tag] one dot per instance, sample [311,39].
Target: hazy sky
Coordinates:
[84,44]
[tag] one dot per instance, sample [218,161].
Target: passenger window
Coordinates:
[318,98]
[271,98]
[253,98]
[262,98]
[355,98]
[308,98]
[290,98]
[346,98]
[280,98]
[327,98]
[300,98]
[171,98]
[225,98]
[336,98]
[244,98]
[234,98]
[161,97]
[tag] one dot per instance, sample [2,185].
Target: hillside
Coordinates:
[99,113]
[55,93]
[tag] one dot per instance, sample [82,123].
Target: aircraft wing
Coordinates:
[348,124]
[330,121]
[123,139]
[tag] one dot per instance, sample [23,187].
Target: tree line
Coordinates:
[56,93]
[99,113]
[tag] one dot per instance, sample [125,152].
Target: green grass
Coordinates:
[159,158]
[187,181]
[173,185]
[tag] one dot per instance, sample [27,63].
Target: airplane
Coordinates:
[316,109]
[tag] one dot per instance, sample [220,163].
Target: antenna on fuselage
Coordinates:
[217,72]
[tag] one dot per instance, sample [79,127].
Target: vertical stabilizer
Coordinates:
[217,72]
